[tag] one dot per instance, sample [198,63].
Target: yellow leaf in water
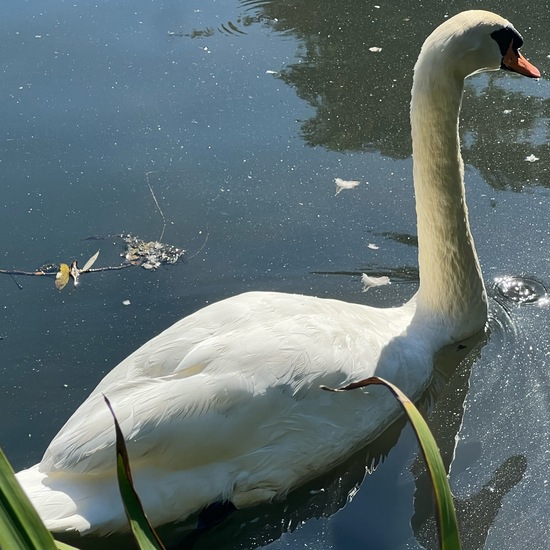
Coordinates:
[62,276]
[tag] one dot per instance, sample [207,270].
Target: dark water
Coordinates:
[239,115]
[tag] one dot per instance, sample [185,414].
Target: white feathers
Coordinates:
[371,282]
[344,184]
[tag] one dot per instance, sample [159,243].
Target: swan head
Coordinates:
[475,41]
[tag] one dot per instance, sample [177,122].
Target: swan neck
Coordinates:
[451,285]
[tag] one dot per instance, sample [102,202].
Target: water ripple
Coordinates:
[521,290]
[502,325]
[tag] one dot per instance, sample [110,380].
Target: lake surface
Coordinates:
[235,117]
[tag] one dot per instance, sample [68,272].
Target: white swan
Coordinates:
[226,405]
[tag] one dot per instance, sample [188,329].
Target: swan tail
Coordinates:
[68,505]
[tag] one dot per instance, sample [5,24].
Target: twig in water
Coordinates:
[200,249]
[15,281]
[158,206]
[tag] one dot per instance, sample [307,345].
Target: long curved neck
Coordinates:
[451,285]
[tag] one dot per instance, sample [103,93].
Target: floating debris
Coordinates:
[371,282]
[532,158]
[88,264]
[344,184]
[150,255]
[147,254]
[375,49]
[62,277]
[138,252]
[48,268]
[65,272]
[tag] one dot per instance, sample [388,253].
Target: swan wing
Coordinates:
[172,395]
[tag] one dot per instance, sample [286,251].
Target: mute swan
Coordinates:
[225,405]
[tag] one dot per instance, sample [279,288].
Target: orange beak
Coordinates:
[517,63]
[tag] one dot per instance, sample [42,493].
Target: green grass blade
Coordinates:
[20,526]
[144,534]
[445,510]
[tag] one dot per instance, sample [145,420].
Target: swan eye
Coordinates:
[503,37]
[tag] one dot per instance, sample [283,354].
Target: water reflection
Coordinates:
[401,238]
[354,68]
[477,513]
[519,131]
